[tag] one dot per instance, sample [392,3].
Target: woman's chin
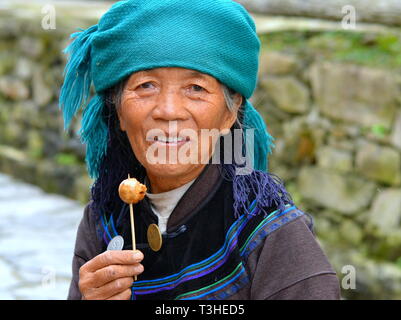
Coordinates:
[171,170]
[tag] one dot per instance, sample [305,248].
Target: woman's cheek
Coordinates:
[138,148]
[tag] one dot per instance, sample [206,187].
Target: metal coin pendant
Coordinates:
[117,243]
[154,237]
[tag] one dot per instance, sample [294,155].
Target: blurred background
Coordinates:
[329,90]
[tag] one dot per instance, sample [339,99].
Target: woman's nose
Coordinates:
[170,106]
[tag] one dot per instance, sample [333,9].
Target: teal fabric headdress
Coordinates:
[216,37]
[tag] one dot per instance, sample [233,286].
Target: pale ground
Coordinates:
[37,236]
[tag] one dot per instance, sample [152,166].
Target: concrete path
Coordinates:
[37,237]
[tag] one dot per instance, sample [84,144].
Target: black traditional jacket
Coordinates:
[208,253]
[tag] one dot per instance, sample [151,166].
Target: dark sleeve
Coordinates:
[291,265]
[87,246]
[320,287]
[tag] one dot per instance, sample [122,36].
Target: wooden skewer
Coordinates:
[131,213]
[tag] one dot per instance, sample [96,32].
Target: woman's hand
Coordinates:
[109,275]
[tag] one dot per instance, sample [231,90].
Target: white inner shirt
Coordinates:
[164,203]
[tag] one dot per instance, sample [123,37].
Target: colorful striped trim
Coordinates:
[196,270]
[106,226]
[202,265]
[239,274]
[218,259]
[260,232]
[238,271]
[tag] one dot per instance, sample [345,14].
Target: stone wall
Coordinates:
[33,145]
[331,99]
[337,124]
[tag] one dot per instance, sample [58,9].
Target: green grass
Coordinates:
[377,50]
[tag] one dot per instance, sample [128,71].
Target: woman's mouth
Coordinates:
[173,141]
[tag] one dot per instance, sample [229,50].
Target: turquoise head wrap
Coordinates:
[216,37]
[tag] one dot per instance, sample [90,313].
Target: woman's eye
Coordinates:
[145,85]
[197,88]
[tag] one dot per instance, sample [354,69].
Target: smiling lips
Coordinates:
[171,141]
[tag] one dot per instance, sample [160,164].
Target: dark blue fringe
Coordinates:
[266,188]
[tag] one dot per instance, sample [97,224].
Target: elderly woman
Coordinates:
[214,224]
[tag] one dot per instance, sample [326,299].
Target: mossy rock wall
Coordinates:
[332,101]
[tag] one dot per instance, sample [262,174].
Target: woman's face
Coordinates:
[163,111]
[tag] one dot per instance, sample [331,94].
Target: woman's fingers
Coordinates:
[125,295]
[110,257]
[110,274]
[110,289]
[113,272]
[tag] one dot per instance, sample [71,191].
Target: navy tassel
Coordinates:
[266,188]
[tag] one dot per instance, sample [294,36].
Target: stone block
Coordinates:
[335,159]
[350,232]
[41,92]
[385,213]
[396,133]
[347,194]
[379,163]
[301,138]
[360,95]
[23,68]
[287,93]
[276,63]
[33,47]
[13,88]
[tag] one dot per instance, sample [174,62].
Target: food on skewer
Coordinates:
[131,191]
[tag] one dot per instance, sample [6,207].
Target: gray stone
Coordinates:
[23,68]
[11,133]
[345,131]
[302,136]
[347,194]
[276,63]
[287,93]
[31,46]
[350,232]
[13,88]
[41,92]
[383,279]
[327,231]
[336,159]
[27,114]
[396,134]
[345,144]
[350,92]
[286,173]
[386,210]
[379,163]
[322,226]
[374,279]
